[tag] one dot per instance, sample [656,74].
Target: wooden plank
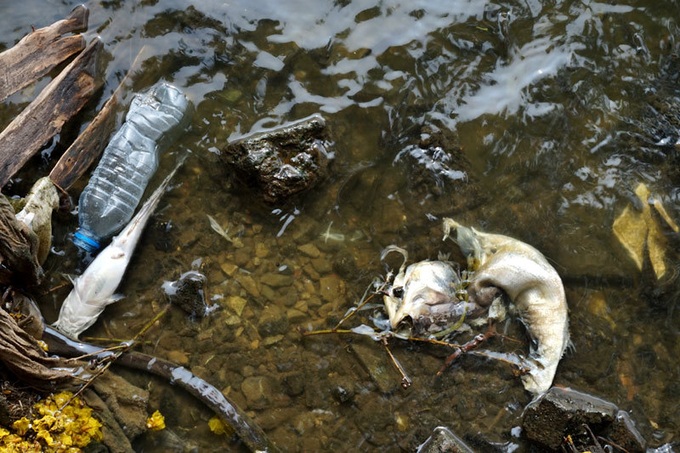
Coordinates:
[91,142]
[44,117]
[40,51]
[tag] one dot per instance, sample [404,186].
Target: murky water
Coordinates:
[547,117]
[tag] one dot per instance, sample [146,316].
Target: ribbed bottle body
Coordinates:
[129,161]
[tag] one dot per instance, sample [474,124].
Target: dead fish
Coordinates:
[532,285]
[95,288]
[423,297]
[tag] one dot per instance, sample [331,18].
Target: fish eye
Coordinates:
[398,292]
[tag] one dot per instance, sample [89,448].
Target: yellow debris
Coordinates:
[156,422]
[56,428]
[218,427]
[634,229]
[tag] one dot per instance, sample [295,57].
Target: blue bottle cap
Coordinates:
[85,241]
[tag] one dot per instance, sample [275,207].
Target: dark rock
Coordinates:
[345,265]
[437,166]
[560,412]
[342,390]
[283,161]
[188,293]
[294,384]
[625,434]
[273,321]
[443,440]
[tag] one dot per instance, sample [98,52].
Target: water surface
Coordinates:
[532,119]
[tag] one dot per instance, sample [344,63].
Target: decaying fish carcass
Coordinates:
[427,298]
[429,294]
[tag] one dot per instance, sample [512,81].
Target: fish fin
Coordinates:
[115,298]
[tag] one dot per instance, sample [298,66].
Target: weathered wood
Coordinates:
[40,51]
[91,142]
[18,249]
[44,117]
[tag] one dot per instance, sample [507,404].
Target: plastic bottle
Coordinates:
[127,164]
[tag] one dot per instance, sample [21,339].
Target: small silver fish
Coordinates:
[532,285]
[94,289]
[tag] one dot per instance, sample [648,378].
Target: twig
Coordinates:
[405,380]
[117,350]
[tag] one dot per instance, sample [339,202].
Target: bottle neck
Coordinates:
[85,241]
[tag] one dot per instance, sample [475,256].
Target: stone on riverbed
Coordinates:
[258,391]
[443,440]
[563,412]
[188,293]
[285,160]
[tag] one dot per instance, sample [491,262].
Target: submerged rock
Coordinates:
[443,440]
[562,412]
[285,160]
[188,293]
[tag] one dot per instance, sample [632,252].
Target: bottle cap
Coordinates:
[85,241]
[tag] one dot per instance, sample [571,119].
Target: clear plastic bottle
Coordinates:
[117,184]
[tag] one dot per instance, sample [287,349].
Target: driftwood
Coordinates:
[91,142]
[40,51]
[249,433]
[18,249]
[48,112]
[21,354]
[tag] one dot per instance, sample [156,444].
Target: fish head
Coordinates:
[477,246]
[423,295]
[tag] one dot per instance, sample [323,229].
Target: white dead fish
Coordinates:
[424,297]
[532,285]
[95,288]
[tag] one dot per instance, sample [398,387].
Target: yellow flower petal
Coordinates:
[156,422]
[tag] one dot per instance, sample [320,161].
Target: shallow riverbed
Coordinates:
[520,118]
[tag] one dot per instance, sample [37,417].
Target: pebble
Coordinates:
[296,316]
[249,284]
[235,304]
[257,391]
[268,341]
[228,268]
[232,321]
[273,321]
[276,280]
[261,250]
[294,384]
[311,273]
[269,294]
[331,288]
[310,250]
[322,266]
[178,357]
